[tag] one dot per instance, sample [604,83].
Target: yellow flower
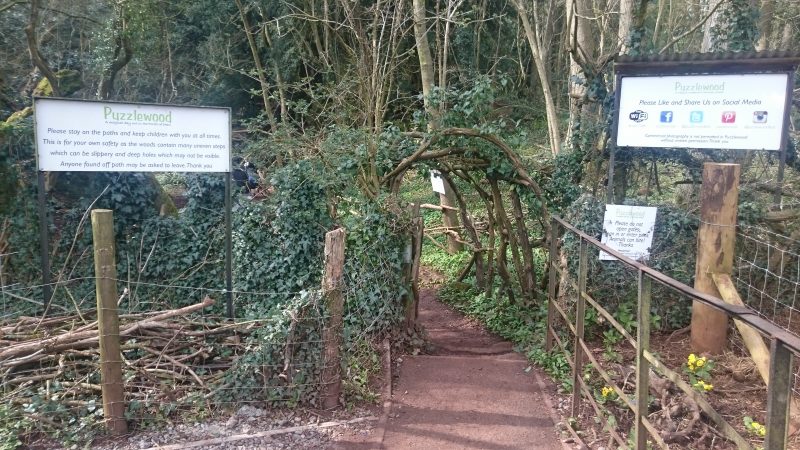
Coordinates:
[700,362]
[606,391]
[691,361]
[761,430]
[704,386]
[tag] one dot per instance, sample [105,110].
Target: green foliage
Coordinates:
[754,427]
[284,357]
[554,363]
[448,265]
[699,371]
[374,256]
[361,364]
[736,27]
[12,425]
[564,186]
[278,244]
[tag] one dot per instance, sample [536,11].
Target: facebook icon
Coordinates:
[666,116]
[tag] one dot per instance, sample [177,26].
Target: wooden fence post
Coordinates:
[779,395]
[411,267]
[580,321]
[642,365]
[450,218]
[332,334]
[715,239]
[552,288]
[105,271]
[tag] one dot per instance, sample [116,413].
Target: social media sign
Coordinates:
[744,111]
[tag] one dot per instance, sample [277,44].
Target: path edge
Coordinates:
[543,390]
[380,427]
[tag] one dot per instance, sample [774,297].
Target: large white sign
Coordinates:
[628,230]
[734,112]
[89,136]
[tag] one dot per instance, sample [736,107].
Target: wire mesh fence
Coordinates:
[181,355]
[767,274]
[767,277]
[173,361]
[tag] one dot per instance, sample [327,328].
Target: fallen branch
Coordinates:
[64,341]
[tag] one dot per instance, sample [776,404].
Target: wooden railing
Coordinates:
[782,346]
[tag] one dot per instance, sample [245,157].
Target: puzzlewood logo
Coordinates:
[699,88]
[136,116]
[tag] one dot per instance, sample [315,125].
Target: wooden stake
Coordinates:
[332,334]
[411,267]
[715,240]
[105,270]
[450,217]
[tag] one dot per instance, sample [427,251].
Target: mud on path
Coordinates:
[471,391]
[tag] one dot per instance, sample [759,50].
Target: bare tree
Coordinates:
[539,35]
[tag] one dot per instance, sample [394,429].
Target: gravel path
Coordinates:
[253,428]
[471,392]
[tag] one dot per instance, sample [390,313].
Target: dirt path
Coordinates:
[470,392]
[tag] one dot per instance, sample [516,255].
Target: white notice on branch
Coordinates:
[90,136]
[437,182]
[628,230]
[732,112]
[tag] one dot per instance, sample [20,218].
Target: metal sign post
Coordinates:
[44,244]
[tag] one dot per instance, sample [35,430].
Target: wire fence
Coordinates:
[767,274]
[767,277]
[180,355]
[173,360]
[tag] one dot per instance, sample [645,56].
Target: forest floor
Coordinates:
[469,390]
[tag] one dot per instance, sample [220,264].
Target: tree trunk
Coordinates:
[765,24]
[525,245]
[450,218]
[471,231]
[123,53]
[582,47]
[262,77]
[501,222]
[626,8]
[539,54]
[425,60]
[278,78]
[708,35]
[36,55]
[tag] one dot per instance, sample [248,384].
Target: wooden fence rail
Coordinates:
[783,346]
